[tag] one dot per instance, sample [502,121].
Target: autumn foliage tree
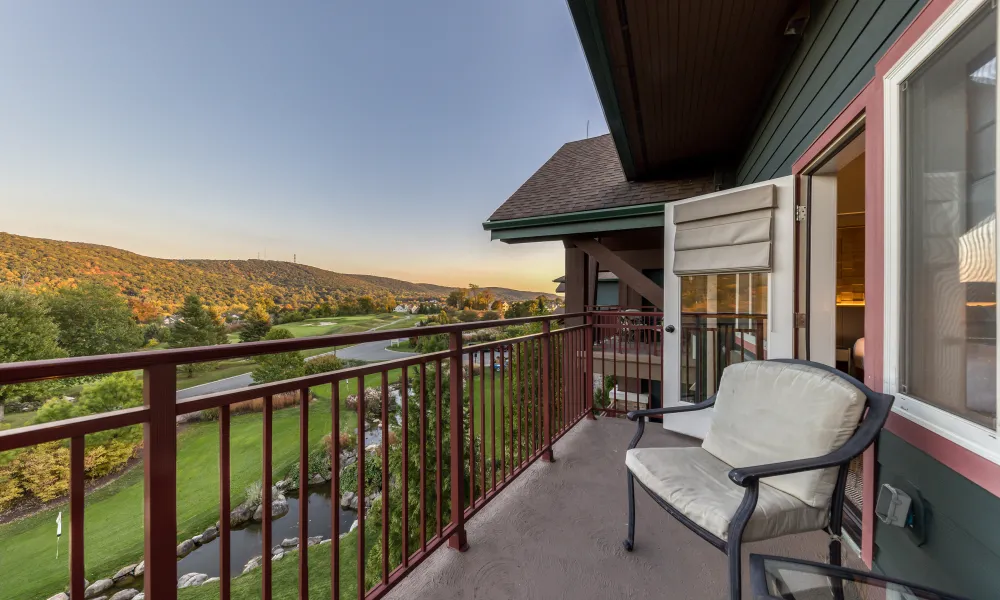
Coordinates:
[27,332]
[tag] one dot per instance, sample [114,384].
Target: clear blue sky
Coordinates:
[363,136]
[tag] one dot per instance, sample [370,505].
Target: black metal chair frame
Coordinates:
[878,407]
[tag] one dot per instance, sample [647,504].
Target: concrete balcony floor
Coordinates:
[556,533]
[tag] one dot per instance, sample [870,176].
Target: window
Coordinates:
[948,352]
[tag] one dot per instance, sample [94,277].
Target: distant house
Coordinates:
[402,308]
[170,320]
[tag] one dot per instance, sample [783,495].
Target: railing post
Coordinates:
[160,484]
[457,540]
[547,392]
[588,387]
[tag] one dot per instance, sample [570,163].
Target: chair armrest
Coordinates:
[863,437]
[652,412]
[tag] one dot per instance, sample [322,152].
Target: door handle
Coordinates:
[670,328]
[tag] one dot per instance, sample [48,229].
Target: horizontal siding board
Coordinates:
[849,93]
[833,69]
[962,550]
[830,72]
[814,48]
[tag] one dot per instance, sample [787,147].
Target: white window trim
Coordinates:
[976,438]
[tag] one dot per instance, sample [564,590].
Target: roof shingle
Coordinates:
[587,175]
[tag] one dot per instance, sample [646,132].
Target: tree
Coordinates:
[197,326]
[114,392]
[27,332]
[540,308]
[93,319]
[485,298]
[144,310]
[457,298]
[366,305]
[276,367]
[256,324]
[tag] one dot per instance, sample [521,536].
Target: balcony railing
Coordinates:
[510,398]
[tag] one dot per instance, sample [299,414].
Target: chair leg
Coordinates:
[735,571]
[835,551]
[631,513]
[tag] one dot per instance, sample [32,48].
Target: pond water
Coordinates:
[246,543]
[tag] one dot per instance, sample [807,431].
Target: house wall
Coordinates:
[835,59]
[959,490]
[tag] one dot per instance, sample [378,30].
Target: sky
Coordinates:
[360,136]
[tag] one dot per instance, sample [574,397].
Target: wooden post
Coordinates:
[588,387]
[546,363]
[160,482]
[457,540]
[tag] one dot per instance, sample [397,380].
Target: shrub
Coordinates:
[10,488]
[55,409]
[115,392]
[348,441]
[108,458]
[253,494]
[323,364]
[44,470]
[278,402]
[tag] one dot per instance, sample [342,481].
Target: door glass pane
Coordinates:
[723,321]
[949,227]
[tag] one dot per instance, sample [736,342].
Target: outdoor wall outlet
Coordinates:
[892,506]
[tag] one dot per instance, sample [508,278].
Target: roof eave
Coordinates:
[559,226]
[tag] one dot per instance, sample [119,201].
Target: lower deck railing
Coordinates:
[457,426]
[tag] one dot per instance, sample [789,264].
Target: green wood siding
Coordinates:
[961,553]
[607,293]
[834,61]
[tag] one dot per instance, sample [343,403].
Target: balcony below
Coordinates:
[556,533]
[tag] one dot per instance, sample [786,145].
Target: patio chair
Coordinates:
[774,461]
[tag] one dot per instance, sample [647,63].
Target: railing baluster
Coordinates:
[503,413]
[423,457]
[439,435]
[266,579]
[405,502]
[224,494]
[361,489]
[472,432]
[493,419]
[335,491]
[304,493]
[545,376]
[385,477]
[76,497]
[482,420]
[457,540]
[160,482]
[588,375]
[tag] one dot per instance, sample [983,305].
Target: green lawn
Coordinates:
[114,518]
[222,370]
[18,419]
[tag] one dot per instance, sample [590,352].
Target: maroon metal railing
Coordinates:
[506,402]
[628,357]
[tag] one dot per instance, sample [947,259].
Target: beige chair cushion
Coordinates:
[697,484]
[768,412]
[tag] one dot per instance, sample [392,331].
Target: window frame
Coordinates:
[972,436]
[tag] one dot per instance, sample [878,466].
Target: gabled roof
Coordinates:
[587,175]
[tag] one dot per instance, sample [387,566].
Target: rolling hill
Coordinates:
[40,264]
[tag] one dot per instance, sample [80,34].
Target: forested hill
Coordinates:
[39,263]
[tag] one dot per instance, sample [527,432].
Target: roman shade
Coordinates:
[725,234]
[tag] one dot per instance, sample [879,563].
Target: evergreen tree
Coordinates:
[198,326]
[256,324]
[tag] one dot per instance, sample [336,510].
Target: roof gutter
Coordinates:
[553,227]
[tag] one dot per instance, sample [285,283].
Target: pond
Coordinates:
[246,543]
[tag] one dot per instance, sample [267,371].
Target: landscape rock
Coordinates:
[128,594]
[354,525]
[347,499]
[252,564]
[284,485]
[125,575]
[279,508]
[184,548]
[278,556]
[317,479]
[60,596]
[240,515]
[209,534]
[328,540]
[289,542]
[139,568]
[210,580]
[314,540]
[98,587]
[139,596]
[197,540]
[191,580]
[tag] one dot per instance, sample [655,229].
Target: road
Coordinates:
[367,351]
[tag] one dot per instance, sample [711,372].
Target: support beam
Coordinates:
[576,282]
[645,286]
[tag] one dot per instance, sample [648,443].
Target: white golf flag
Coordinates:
[59,524]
